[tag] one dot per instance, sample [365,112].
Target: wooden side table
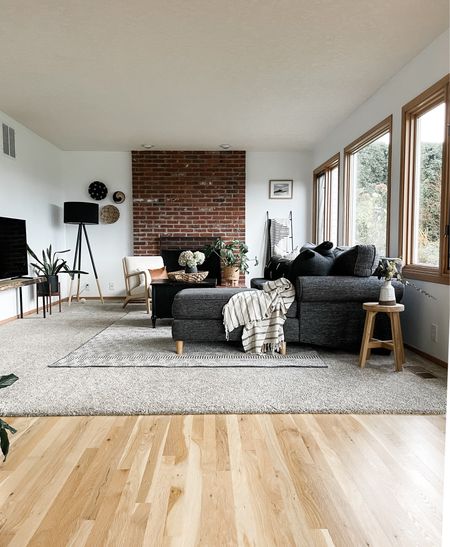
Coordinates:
[20,282]
[368,342]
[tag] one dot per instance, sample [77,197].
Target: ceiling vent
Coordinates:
[9,141]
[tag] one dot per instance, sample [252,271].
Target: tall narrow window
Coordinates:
[425,192]
[367,181]
[326,201]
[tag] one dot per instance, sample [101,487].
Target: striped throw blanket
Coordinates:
[261,313]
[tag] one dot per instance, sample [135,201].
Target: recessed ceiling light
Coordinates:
[147,146]
[225,146]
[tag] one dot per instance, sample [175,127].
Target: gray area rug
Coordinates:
[29,346]
[131,342]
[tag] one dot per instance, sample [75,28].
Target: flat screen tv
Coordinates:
[13,248]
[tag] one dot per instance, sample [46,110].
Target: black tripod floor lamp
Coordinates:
[81,213]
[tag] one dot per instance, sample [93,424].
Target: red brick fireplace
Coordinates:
[181,194]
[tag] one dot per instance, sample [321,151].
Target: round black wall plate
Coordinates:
[98,190]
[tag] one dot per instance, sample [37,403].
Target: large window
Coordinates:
[326,201]
[367,176]
[425,194]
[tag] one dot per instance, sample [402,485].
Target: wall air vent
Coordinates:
[9,141]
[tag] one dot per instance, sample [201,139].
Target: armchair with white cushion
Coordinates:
[138,279]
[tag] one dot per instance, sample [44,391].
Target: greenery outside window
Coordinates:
[326,201]
[367,182]
[425,192]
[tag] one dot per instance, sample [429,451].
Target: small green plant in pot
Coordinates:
[233,258]
[6,381]
[50,266]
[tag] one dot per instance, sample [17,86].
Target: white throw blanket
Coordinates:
[261,313]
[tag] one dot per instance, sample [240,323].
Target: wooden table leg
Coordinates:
[179,344]
[367,335]
[400,340]
[397,341]
[283,349]
[372,328]
[21,302]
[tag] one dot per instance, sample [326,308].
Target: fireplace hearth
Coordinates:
[171,247]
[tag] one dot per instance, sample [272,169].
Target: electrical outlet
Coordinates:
[111,285]
[86,286]
[434,332]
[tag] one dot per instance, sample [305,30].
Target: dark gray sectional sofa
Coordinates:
[327,310]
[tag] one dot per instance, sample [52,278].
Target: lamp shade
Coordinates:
[80,212]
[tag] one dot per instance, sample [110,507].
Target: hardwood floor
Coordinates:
[317,480]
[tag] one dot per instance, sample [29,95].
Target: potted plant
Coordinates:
[6,381]
[190,260]
[233,258]
[388,269]
[50,266]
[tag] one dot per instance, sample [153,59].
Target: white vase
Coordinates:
[387,294]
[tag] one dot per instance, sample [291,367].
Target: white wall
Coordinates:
[423,71]
[109,242]
[46,177]
[31,189]
[261,167]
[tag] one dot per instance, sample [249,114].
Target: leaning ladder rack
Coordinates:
[269,242]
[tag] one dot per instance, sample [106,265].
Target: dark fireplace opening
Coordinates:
[171,247]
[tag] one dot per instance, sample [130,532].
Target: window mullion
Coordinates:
[327,206]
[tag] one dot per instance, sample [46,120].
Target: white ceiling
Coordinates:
[179,74]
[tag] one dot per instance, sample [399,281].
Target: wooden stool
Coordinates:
[368,342]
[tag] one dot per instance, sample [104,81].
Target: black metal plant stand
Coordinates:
[77,263]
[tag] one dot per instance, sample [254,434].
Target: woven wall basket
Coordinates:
[180,275]
[109,214]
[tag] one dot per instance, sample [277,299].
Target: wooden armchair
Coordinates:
[138,279]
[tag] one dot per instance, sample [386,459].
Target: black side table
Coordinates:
[164,291]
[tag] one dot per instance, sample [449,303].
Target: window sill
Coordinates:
[425,273]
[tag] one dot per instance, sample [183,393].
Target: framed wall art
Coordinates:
[280,189]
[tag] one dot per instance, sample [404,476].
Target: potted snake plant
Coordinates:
[50,266]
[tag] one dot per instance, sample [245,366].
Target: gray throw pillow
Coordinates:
[358,260]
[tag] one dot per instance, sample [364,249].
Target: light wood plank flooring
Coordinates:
[317,480]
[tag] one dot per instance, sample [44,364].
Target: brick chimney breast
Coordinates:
[187,194]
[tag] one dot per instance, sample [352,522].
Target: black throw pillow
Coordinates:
[310,262]
[277,268]
[358,260]
[323,248]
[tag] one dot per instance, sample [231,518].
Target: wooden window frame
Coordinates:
[377,131]
[325,169]
[421,104]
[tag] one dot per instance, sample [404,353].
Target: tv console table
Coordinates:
[20,282]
